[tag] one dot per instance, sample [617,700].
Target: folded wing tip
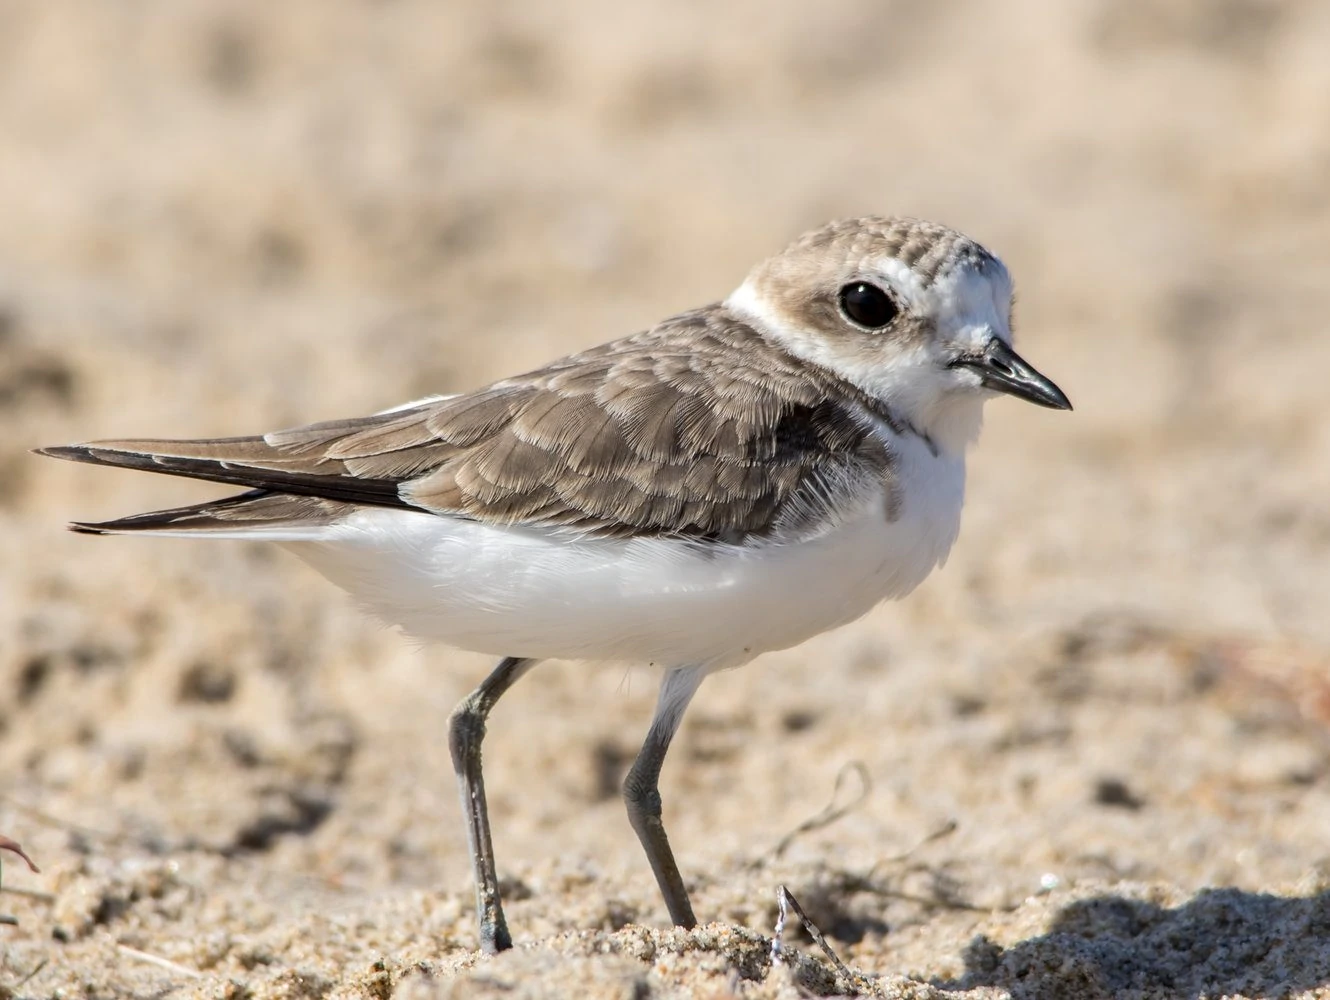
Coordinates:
[95,452]
[58,450]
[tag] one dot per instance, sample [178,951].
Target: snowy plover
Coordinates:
[734,480]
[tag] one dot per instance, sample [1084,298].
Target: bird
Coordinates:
[733,480]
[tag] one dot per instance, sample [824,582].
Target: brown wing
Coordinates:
[696,428]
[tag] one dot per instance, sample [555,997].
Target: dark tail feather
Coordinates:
[267,473]
[257,513]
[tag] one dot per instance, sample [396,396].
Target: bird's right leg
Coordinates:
[641,789]
[466,730]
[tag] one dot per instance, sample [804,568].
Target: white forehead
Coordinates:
[971,295]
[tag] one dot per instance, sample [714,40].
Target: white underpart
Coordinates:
[968,307]
[539,593]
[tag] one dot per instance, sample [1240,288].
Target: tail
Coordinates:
[257,515]
[269,512]
[247,461]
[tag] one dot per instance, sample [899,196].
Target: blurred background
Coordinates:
[224,218]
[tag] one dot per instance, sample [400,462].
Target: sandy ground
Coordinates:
[229,217]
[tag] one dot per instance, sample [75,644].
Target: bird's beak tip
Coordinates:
[1003,370]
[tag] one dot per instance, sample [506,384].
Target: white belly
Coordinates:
[514,592]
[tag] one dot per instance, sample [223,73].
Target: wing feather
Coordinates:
[698,427]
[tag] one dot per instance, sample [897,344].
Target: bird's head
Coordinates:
[911,312]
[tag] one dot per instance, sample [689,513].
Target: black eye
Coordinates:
[867,305]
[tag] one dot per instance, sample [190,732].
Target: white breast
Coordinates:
[522,592]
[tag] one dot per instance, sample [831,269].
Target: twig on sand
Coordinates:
[945,830]
[832,812]
[12,845]
[31,972]
[785,898]
[161,963]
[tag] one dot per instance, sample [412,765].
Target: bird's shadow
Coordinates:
[1221,942]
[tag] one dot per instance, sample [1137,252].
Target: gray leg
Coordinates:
[466,730]
[642,793]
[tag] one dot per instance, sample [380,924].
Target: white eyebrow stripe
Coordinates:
[906,282]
